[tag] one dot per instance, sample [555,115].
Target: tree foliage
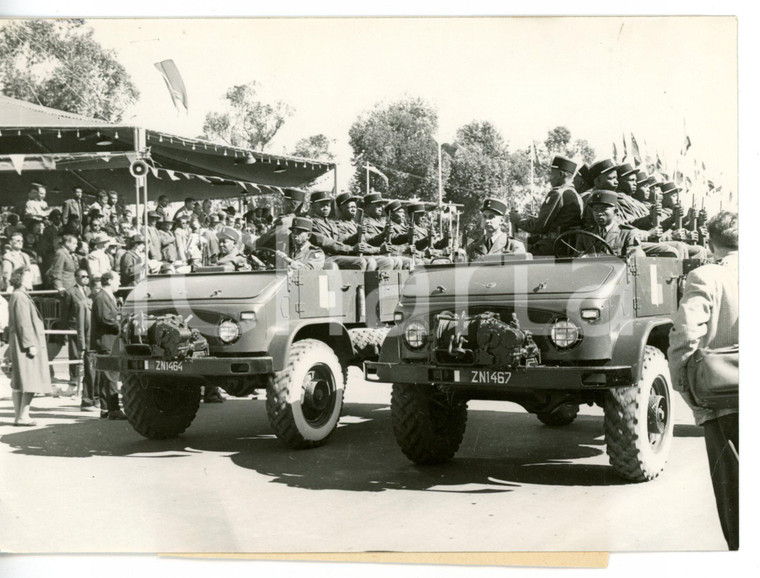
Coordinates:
[314,147]
[246,121]
[58,63]
[398,139]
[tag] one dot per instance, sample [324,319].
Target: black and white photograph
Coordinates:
[455,285]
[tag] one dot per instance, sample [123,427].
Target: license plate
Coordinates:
[168,366]
[490,377]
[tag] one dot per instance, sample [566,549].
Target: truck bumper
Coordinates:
[521,378]
[197,366]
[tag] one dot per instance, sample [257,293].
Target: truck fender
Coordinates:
[633,338]
[332,333]
[391,350]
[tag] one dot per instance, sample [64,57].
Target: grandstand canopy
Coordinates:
[60,150]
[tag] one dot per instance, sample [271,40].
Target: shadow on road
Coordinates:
[501,451]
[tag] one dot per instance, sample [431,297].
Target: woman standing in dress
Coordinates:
[27,347]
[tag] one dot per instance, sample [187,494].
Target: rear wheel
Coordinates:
[638,421]
[158,407]
[428,424]
[366,343]
[565,414]
[304,399]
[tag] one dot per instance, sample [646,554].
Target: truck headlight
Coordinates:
[415,334]
[229,331]
[564,333]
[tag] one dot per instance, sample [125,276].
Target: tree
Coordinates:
[398,140]
[58,63]
[246,122]
[314,147]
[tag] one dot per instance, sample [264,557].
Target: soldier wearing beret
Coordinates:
[228,249]
[494,240]
[560,211]
[623,239]
[298,252]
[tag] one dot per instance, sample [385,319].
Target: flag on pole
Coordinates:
[686,146]
[635,150]
[372,169]
[625,150]
[614,152]
[174,83]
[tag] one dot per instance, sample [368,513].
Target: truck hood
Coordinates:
[531,277]
[206,286]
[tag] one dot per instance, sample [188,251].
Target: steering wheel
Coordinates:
[266,255]
[561,243]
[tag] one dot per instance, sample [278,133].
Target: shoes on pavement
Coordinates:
[103,414]
[213,399]
[118,414]
[30,423]
[88,408]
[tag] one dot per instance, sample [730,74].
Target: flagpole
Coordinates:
[367,167]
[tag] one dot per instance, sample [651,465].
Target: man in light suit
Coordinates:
[104,332]
[708,316]
[78,315]
[494,240]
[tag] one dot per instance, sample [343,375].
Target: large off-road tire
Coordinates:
[366,343]
[565,414]
[428,425]
[160,407]
[304,400]
[638,421]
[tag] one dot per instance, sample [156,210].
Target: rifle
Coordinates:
[693,223]
[654,212]
[360,232]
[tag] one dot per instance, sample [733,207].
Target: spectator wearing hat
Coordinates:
[74,206]
[298,252]
[560,211]
[132,263]
[13,258]
[98,260]
[493,240]
[228,249]
[622,239]
[325,236]
[60,274]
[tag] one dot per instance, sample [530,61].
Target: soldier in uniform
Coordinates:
[228,251]
[560,210]
[326,234]
[623,239]
[292,205]
[642,192]
[298,252]
[494,240]
[374,229]
[423,236]
[582,181]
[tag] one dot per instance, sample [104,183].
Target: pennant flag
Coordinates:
[686,146]
[48,162]
[625,150]
[614,152]
[171,174]
[372,169]
[18,162]
[201,177]
[154,170]
[635,150]
[174,83]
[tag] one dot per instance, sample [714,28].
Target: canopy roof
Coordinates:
[61,149]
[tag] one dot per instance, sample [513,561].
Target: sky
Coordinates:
[661,78]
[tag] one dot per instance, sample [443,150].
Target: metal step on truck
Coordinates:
[548,334]
[291,333]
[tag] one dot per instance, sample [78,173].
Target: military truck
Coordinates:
[549,334]
[291,333]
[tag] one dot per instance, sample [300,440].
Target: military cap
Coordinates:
[669,187]
[372,198]
[321,197]
[344,198]
[564,164]
[652,181]
[583,172]
[603,198]
[416,208]
[642,179]
[295,195]
[137,238]
[626,169]
[228,233]
[153,215]
[599,168]
[393,206]
[301,223]
[495,205]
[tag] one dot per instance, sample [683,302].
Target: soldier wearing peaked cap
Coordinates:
[623,239]
[642,187]
[228,250]
[422,236]
[375,226]
[326,233]
[292,206]
[582,180]
[560,211]
[493,240]
[299,253]
[603,176]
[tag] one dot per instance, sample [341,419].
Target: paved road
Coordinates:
[77,483]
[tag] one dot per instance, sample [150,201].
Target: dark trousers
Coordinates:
[89,394]
[724,470]
[107,390]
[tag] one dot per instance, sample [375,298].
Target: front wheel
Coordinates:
[638,421]
[428,424]
[304,399]
[159,408]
